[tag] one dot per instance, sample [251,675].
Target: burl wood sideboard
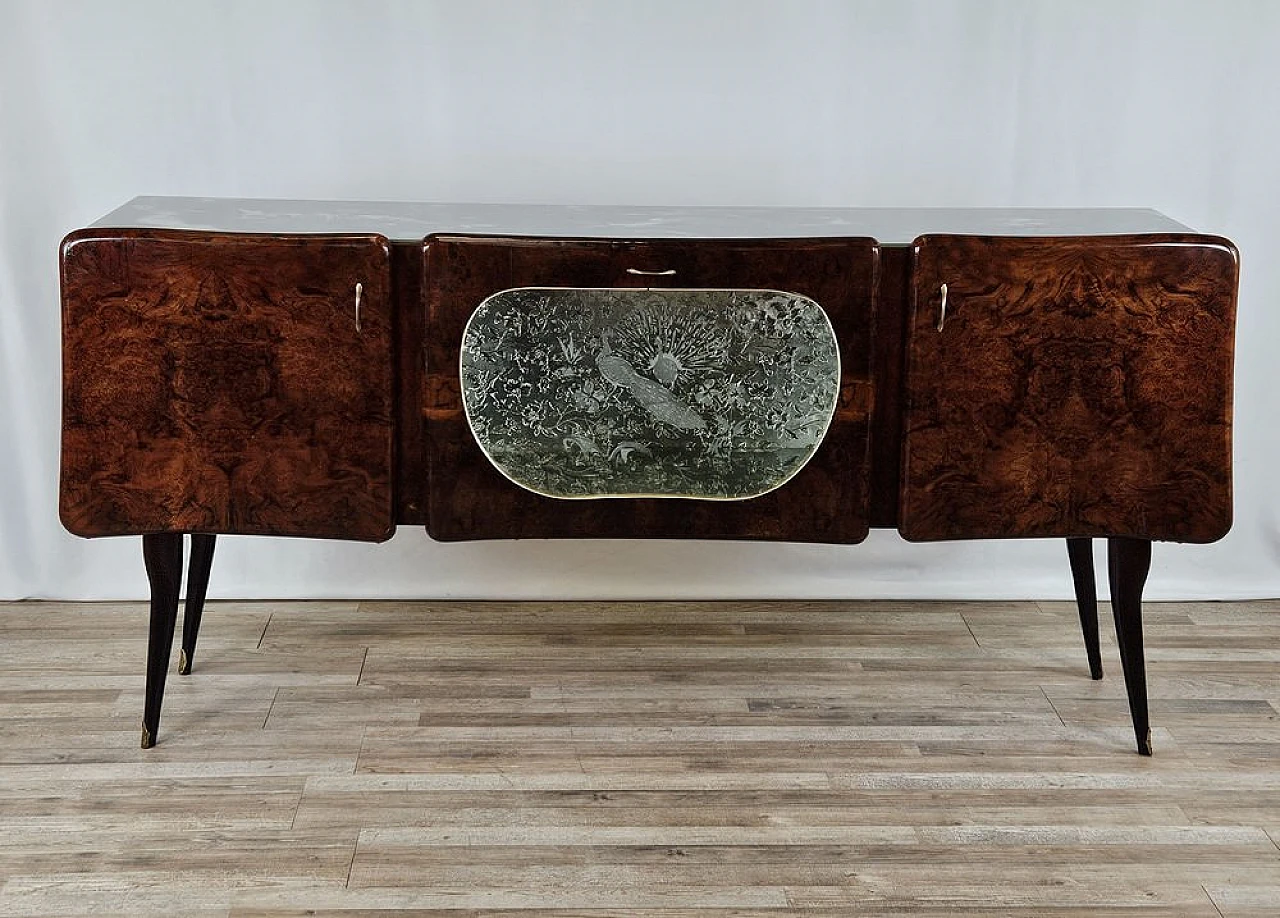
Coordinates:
[334,370]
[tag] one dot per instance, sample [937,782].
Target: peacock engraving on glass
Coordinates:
[706,394]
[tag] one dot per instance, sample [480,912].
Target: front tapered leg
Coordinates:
[1080,551]
[162,554]
[197,584]
[1128,562]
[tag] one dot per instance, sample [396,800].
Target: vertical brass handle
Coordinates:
[942,309]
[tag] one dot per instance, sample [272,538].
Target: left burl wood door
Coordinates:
[1069,387]
[226,383]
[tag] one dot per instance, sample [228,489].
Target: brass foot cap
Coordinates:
[1144,744]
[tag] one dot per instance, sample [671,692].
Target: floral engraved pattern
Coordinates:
[715,394]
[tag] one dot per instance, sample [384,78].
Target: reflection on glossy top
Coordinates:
[412,221]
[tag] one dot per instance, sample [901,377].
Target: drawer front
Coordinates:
[826,500]
[1073,387]
[226,383]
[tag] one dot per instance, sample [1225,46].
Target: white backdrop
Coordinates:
[1172,105]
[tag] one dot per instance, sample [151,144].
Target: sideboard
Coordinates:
[323,369]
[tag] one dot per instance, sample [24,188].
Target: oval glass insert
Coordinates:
[706,394]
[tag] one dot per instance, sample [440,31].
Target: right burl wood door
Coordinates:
[1069,387]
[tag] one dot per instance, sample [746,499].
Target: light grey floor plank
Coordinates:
[668,760]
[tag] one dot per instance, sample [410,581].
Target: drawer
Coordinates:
[1069,387]
[226,383]
[673,305]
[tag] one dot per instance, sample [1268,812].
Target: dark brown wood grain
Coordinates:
[1079,387]
[469,499]
[893,293]
[410,357]
[218,383]
[213,382]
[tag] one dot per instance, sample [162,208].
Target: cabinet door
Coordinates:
[663,370]
[227,384]
[1073,387]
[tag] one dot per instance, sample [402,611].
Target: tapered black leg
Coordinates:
[162,554]
[1080,551]
[197,585]
[1128,561]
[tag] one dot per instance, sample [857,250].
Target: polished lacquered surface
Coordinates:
[1053,397]
[467,498]
[227,384]
[413,221]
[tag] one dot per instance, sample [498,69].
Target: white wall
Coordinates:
[1172,105]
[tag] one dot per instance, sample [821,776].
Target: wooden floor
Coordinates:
[667,760]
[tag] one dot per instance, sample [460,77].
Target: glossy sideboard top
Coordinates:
[406,221]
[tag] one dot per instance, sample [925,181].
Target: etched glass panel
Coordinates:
[709,394]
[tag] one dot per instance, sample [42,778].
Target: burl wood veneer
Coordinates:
[233,367]
[1073,387]
[223,384]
